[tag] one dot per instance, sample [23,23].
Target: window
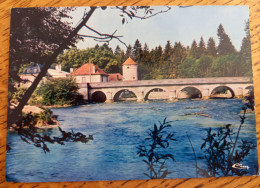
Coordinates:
[83,79]
[127,67]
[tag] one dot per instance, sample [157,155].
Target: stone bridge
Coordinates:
[169,88]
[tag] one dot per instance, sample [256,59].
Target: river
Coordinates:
[118,129]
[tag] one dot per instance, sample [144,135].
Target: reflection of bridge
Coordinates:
[172,88]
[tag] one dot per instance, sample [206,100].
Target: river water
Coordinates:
[118,129]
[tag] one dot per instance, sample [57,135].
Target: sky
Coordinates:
[177,25]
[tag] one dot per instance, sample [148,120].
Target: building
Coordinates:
[113,77]
[89,73]
[32,72]
[130,70]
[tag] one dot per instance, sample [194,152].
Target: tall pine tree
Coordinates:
[211,47]
[194,50]
[117,50]
[225,45]
[137,51]
[201,48]
[129,51]
[167,51]
[246,49]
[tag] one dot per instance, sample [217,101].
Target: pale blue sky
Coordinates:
[178,24]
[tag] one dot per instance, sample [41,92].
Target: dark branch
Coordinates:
[131,14]
[104,37]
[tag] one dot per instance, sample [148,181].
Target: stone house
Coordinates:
[32,72]
[89,73]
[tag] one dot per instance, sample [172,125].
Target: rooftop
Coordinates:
[88,69]
[130,61]
[114,77]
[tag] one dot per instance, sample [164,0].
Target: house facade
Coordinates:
[89,73]
[30,73]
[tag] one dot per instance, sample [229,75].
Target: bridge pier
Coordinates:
[140,99]
[109,96]
[172,95]
[239,93]
[205,94]
[140,96]
[109,101]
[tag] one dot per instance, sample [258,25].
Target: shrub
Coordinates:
[59,91]
[155,150]
[223,149]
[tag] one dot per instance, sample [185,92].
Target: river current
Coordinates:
[118,129]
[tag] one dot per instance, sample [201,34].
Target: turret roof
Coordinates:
[130,61]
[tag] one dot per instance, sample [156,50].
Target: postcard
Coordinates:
[130,92]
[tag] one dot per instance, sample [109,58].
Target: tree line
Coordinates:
[200,59]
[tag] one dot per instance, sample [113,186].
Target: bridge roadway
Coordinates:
[172,88]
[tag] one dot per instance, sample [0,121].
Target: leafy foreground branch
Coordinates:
[31,136]
[28,130]
[155,150]
[222,155]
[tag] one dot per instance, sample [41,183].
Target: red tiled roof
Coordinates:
[88,69]
[114,77]
[129,61]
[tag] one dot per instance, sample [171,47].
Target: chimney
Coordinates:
[71,70]
[58,67]
[94,70]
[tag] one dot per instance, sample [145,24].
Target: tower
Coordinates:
[130,70]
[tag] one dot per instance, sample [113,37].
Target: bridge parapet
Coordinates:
[165,82]
[171,89]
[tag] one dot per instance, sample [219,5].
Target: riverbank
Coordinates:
[39,117]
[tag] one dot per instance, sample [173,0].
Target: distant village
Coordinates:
[87,73]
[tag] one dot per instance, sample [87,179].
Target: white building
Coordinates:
[89,73]
[29,75]
[130,70]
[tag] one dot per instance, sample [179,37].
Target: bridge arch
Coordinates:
[190,92]
[222,92]
[157,93]
[124,94]
[98,96]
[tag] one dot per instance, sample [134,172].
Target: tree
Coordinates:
[211,47]
[246,49]
[228,65]
[117,50]
[167,50]
[137,51]
[59,91]
[129,51]
[201,48]
[225,45]
[32,39]
[194,52]
[187,68]
[178,56]
[202,66]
